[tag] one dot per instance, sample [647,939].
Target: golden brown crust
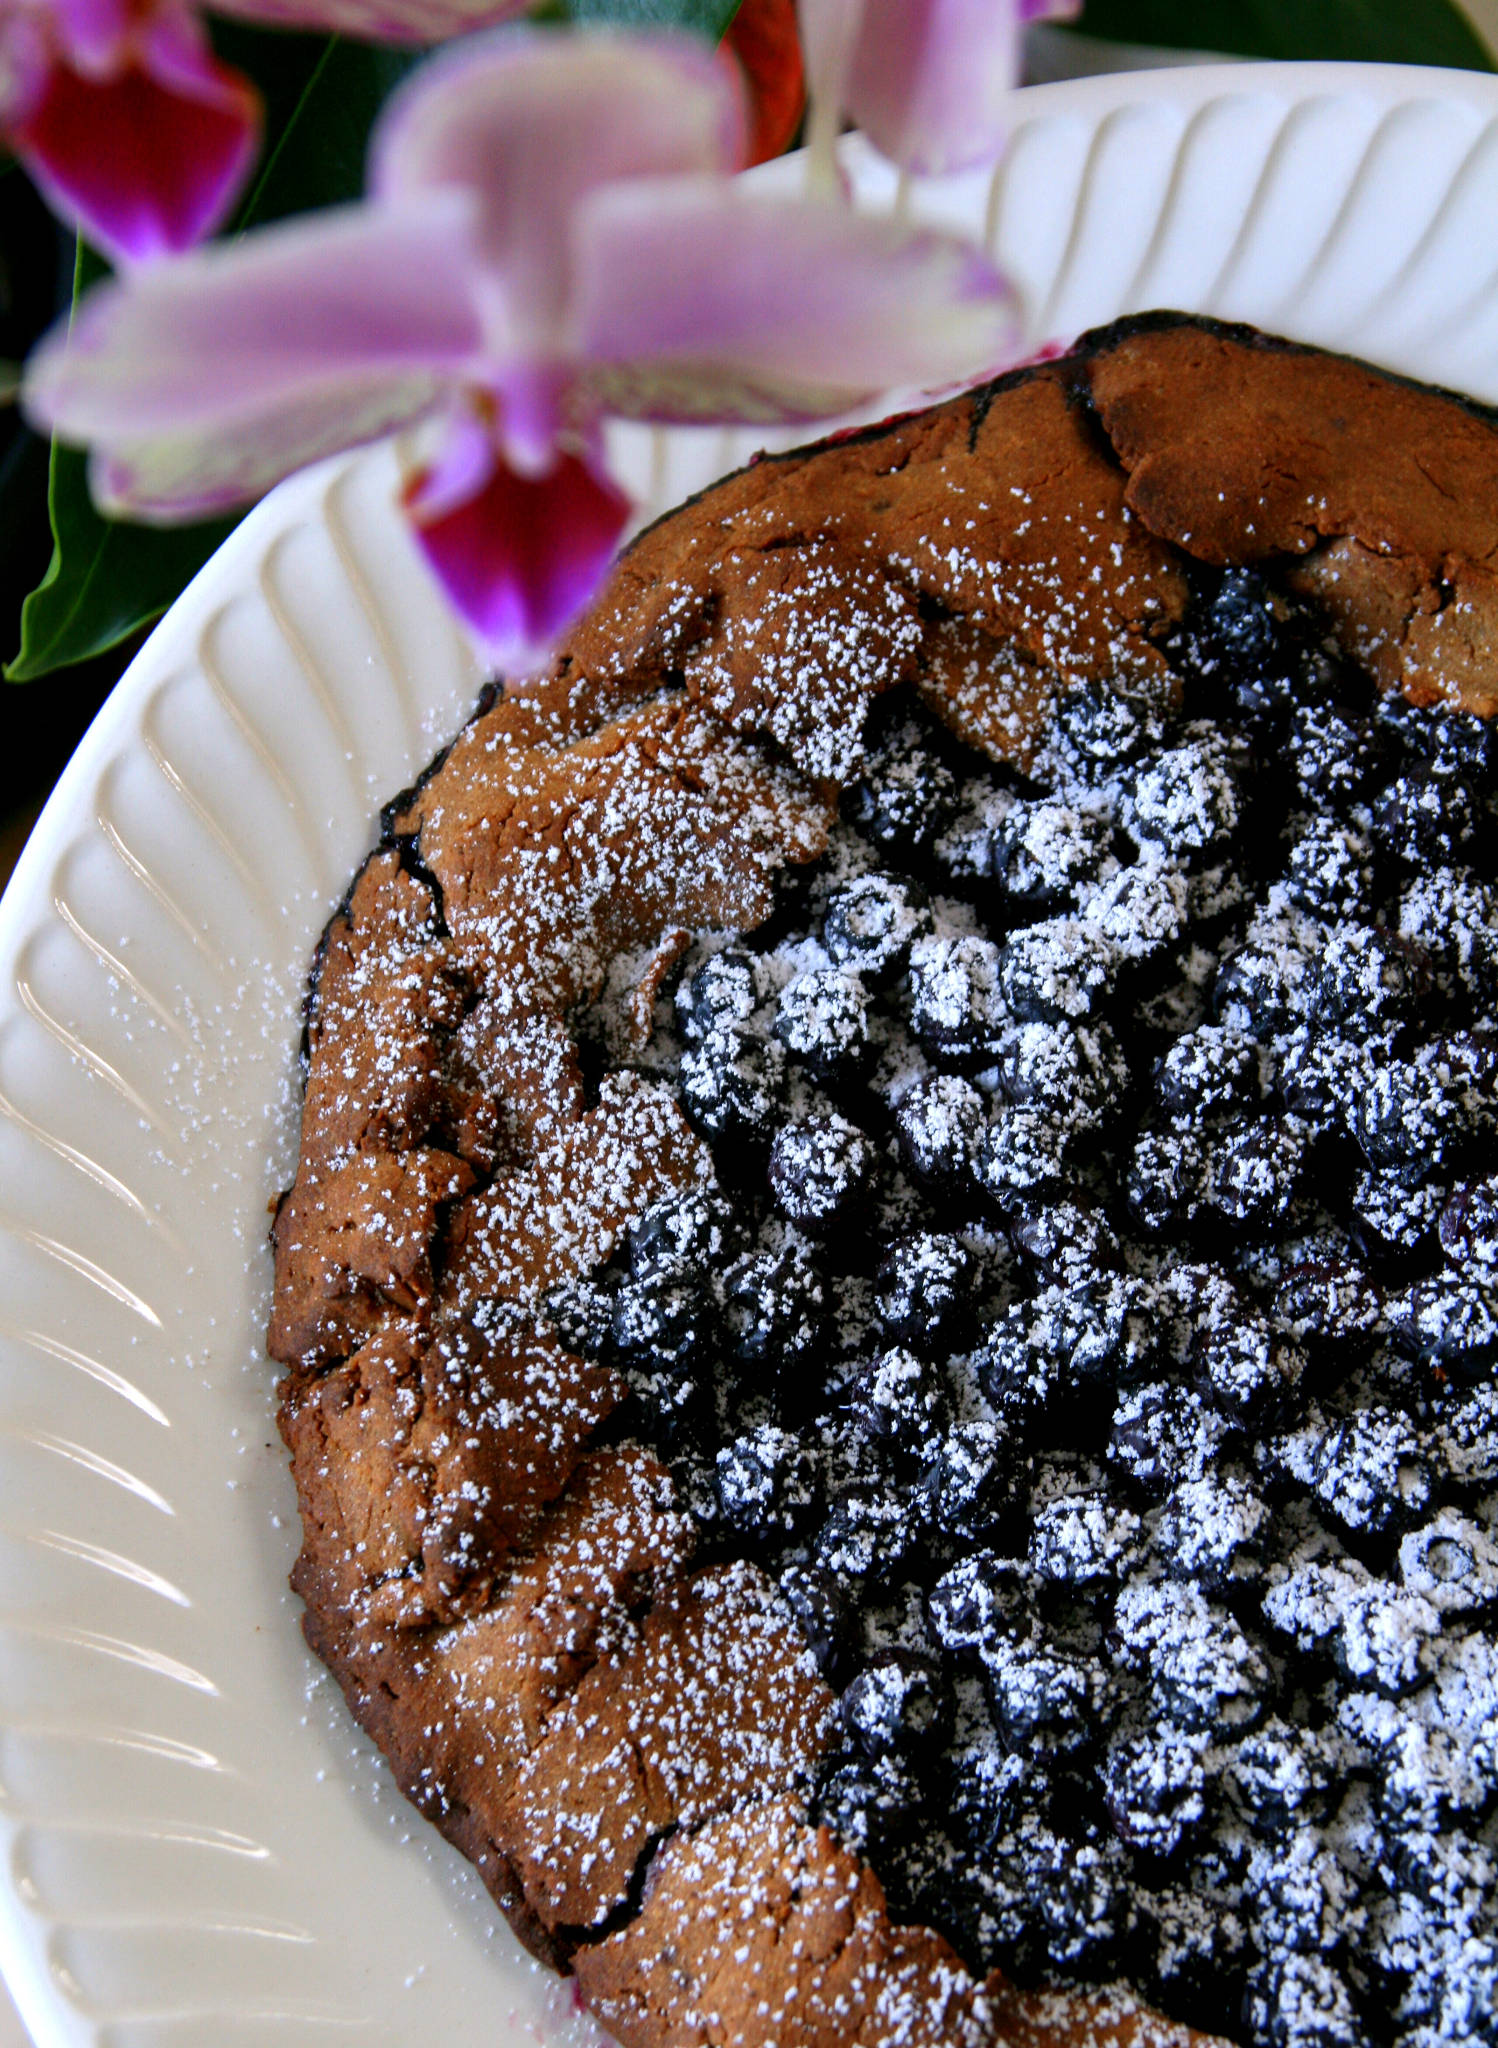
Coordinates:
[760,1928]
[644,1745]
[506,1606]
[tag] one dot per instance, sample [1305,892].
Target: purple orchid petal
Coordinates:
[149,158]
[928,81]
[379,21]
[204,380]
[522,557]
[701,301]
[530,123]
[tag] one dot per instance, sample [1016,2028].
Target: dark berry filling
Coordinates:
[1096,1333]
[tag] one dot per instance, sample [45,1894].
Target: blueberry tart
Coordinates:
[890,1303]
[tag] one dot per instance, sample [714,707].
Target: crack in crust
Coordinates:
[510,1612]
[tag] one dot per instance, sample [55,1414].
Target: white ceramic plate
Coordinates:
[197,1848]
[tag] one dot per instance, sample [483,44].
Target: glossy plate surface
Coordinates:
[198,1851]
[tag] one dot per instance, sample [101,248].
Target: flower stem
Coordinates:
[824,120]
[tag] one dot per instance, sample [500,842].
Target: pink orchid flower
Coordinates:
[928,81]
[550,237]
[132,128]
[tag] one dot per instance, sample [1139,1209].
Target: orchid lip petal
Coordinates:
[529,123]
[697,301]
[459,471]
[148,161]
[521,559]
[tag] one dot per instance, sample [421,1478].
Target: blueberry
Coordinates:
[1143,909]
[823,1615]
[1425,819]
[773,1308]
[1096,724]
[1452,1323]
[670,1409]
[730,1083]
[967,1485]
[1330,871]
[1252,1174]
[870,1807]
[1203,1670]
[582,1310]
[1368,978]
[1163,1436]
[1452,1562]
[1391,1216]
[1334,1302]
[820,1171]
[984,1599]
[1212,1072]
[1411,1113]
[1276,1776]
[1300,2001]
[1468,1436]
[1239,632]
[1075,1075]
[1081,1538]
[1154,1788]
[1185,799]
[1332,756]
[1265,985]
[921,1289]
[871,924]
[1320,1072]
[1469,1224]
[1052,849]
[993,1794]
[1244,1368]
[906,795]
[1213,1530]
[899,1402]
[867,1536]
[1083,1904]
[685,1235]
[1165,1182]
[1068,1242]
[1463,747]
[767,1486]
[1056,972]
[1452,915]
[1300,1895]
[898,1706]
[957,1008]
[940,1120]
[1019,1157]
[659,1324]
[823,1020]
[1370,1470]
[1042,1696]
[1018,1369]
[721,994]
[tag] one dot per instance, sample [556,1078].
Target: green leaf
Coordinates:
[1370,31]
[321,98]
[107,577]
